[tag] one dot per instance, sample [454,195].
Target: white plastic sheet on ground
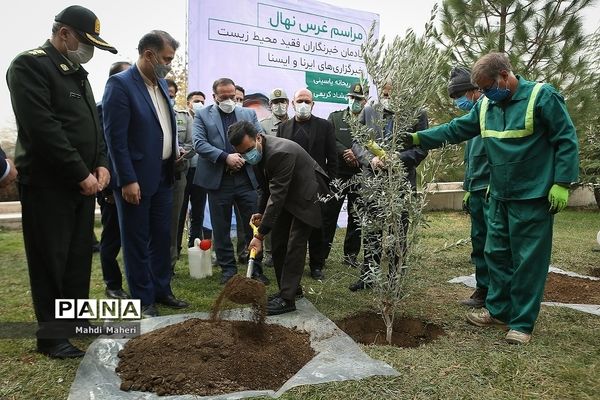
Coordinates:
[337,358]
[469,280]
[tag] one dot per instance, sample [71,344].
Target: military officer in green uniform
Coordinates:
[279,103]
[348,166]
[61,159]
[477,177]
[532,150]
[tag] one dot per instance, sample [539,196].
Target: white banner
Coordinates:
[289,44]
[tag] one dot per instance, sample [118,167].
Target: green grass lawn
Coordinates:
[562,362]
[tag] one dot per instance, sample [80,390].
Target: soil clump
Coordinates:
[207,357]
[368,328]
[243,291]
[563,288]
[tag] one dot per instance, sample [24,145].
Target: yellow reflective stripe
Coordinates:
[510,134]
[530,105]
[513,134]
[482,112]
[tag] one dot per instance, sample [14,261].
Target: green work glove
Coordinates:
[465,203]
[415,139]
[558,198]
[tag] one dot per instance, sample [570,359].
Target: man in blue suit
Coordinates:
[224,173]
[139,125]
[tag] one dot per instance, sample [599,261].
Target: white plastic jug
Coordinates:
[199,261]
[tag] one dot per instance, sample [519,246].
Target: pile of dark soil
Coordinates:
[368,328]
[241,290]
[205,357]
[563,288]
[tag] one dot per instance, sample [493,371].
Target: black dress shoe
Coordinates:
[280,306]
[172,301]
[149,311]
[359,285]
[317,274]
[261,278]
[299,295]
[116,293]
[225,278]
[61,350]
[477,299]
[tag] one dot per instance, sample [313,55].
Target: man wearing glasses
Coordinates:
[224,173]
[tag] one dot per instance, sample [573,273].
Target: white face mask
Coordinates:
[227,106]
[385,103]
[197,106]
[303,110]
[83,54]
[280,109]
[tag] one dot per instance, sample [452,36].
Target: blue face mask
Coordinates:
[464,103]
[253,157]
[496,94]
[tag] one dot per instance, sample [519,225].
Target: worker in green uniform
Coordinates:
[62,164]
[532,150]
[477,176]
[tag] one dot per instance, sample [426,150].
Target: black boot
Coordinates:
[477,299]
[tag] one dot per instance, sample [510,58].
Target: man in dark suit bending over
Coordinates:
[289,180]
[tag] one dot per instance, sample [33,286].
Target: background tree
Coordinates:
[544,40]
[179,73]
[589,129]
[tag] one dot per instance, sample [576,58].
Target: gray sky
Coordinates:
[123,22]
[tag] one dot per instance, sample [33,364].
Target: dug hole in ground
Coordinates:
[330,355]
[563,289]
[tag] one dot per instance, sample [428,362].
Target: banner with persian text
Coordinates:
[290,44]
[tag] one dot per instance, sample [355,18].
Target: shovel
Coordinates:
[252,255]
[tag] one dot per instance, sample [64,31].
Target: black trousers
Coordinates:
[330,216]
[288,240]
[317,246]
[57,231]
[110,242]
[195,195]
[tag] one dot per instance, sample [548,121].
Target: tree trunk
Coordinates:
[502,33]
[388,319]
[597,195]
[389,330]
